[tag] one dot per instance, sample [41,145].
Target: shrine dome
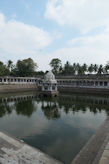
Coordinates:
[50,77]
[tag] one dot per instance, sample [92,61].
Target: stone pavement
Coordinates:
[96,151]
[105,156]
[14,151]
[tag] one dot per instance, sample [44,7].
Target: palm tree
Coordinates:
[90,68]
[100,69]
[10,65]
[95,68]
[74,67]
[84,68]
[106,68]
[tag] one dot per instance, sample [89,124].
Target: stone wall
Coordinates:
[17,88]
[84,90]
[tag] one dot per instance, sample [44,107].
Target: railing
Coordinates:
[18,80]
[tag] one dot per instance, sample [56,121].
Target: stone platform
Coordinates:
[96,151]
[105,156]
[14,151]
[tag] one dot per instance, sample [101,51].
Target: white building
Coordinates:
[49,85]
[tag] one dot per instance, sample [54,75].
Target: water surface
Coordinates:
[59,127]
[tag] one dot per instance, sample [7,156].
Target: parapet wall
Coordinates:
[84,90]
[17,88]
[80,84]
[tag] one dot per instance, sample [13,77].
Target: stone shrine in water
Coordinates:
[49,85]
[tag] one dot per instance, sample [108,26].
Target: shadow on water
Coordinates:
[58,126]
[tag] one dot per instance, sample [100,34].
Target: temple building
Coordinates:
[49,85]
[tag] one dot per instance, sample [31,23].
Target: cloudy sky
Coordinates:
[73,30]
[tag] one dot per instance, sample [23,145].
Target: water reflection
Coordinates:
[24,105]
[58,126]
[50,109]
[5,108]
[82,103]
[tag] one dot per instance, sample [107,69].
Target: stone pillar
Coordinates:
[103,84]
[55,87]
[42,87]
[108,84]
[51,87]
[94,84]
[98,84]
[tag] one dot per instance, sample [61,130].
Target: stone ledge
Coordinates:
[105,156]
[14,151]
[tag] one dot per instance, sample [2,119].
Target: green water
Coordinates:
[59,127]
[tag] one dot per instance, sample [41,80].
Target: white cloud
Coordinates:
[99,42]
[83,54]
[81,14]
[88,49]
[2,21]
[19,38]
[85,49]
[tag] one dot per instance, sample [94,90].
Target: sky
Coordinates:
[71,30]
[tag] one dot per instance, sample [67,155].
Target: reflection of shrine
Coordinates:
[49,85]
[27,103]
[50,109]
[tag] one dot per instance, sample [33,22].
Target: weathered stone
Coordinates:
[104,160]
[93,150]
[107,147]
[14,151]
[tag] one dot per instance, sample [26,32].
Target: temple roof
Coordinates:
[50,77]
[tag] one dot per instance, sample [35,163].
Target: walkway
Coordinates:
[14,151]
[96,151]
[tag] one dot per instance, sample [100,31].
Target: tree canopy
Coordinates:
[55,65]
[27,67]
[4,71]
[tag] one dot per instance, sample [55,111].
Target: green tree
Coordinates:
[100,69]
[55,65]
[74,67]
[79,70]
[61,70]
[25,67]
[10,65]
[84,68]
[106,68]
[95,68]
[91,68]
[68,69]
[4,71]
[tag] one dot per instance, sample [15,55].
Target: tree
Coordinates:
[90,68]
[25,67]
[100,69]
[95,68]
[10,65]
[68,69]
[78,69]
[60,70]
[55,65]
[4,71]
[74,67]
[84,68]
[106,68]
